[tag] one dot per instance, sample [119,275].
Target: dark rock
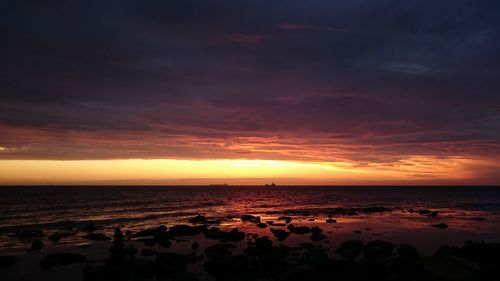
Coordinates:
[478,219]
[331,220]
[299,229]
[261,225]
[424,212]
[97,237]
[316,229]
[250,218]
[440,225]
[280,234]
[174,260]
[287,219]
[263,243]
[195,246]
[218,251]
[58,259]
[36,245]
[198,219]
[151,231]
[317,236]
[434,214]
[149,252]
[6,261]
[358,231]
[378,249]
[233,236]
[185,230]
[408,251]
[350,249]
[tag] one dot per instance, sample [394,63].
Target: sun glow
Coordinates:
[232,171]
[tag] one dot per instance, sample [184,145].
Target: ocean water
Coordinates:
[472,213]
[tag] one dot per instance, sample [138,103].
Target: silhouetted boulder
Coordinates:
[378,249]
[299,229]
[408,251]
[228,268]
[376,209]
[263,243]
[147,241]
[150,231]
[350,249]
[250,218]
[331,220]
[232,236]
[29,234]
[261,225]
[36,245]
[287,219]
[185,230]
[440,225]
[149,252]
[317,236]
[280,234]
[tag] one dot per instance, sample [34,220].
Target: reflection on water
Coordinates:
[56,208]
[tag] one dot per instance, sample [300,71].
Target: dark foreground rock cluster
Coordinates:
[267,258]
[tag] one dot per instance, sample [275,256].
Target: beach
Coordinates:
[249,233]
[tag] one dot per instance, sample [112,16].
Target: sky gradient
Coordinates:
[299,92]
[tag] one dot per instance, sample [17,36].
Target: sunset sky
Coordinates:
[250,92]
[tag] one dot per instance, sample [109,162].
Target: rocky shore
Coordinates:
[202,249]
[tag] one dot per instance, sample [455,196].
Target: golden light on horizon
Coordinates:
[240,171]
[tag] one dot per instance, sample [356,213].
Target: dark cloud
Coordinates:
[387,79]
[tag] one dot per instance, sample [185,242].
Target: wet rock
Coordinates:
[331,220]
[299,229]
[150,231]
[263,243]
[408,251]
[218,251]
[232,236]
[6,261]
[378,249]
[440,225]
[287,219]
[261,225]
[250,218]
[29,234]
[185,230]
[350,249]
[280,234]
[149,252]
[228,268]
[59,259]
[97,237]
[316,229]
[198,219]
[424,212]
[36,245]
[174,260]
[433,214]
[195,246]
[317,236]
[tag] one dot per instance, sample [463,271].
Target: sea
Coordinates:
[469,212]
